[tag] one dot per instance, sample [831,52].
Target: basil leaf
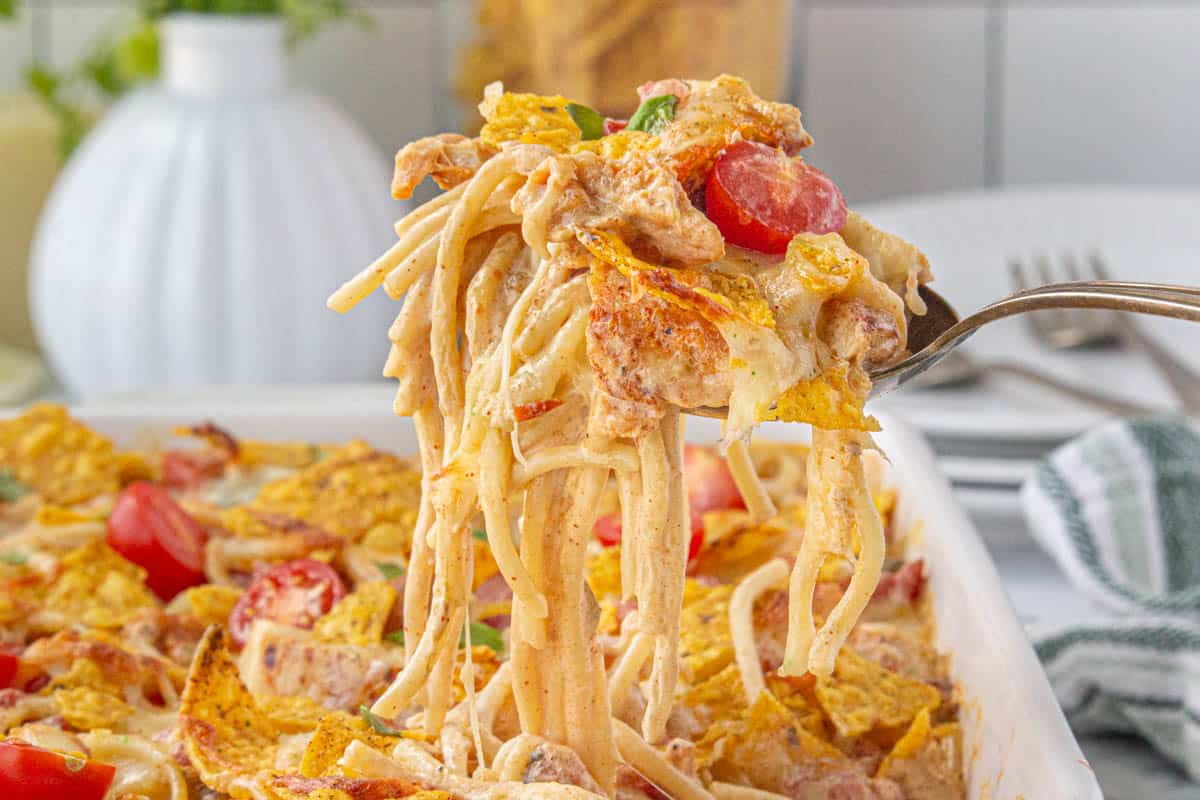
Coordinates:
[479,534]
[482,633]
[10,488]
[376,722]
[13,558]
[653,114]
[389,569]
[395,637]
[590,121]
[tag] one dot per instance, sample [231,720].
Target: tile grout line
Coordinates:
[993,109]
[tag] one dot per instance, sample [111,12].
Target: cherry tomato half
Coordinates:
[9,664]
[34,773]
[760,198]
[148,528]
[185,469]
[295,593]
[608,529]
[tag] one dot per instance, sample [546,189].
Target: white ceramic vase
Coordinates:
[194,236]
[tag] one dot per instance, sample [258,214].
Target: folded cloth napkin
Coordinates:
[1119,510]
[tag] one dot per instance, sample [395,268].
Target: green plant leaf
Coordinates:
[13,558]
[482,633]
[136,57]
[8,8]
[479,533]
[389,569]
[395,637]
[10,488]
[590,121]
[377,723]
[653,114]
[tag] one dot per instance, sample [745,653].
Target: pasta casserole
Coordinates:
[557,597]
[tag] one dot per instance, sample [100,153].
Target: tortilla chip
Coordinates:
[61,459]
[210,603]
[229,740]
[861,696]
[292,714]
[527,118]
[825,263]
[98,588]
[86,709]
[706,641]
[731,298]
[359,617]
[604,572]
[619,144]
[833,400]
[329,740]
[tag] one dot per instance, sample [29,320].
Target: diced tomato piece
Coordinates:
[710,484]
[295,593]
[34,773]
[9,664]
[151,530]
[904,585]
[186,469]
[608,529]
[613,125]
[760,198]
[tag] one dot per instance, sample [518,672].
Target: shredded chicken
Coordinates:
[449,157]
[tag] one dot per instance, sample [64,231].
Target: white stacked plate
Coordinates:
[989,435]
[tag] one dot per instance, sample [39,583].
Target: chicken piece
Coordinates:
[174,636]
[58,654]
[450,158]
[636,198]
[893,260]
[280,660]
[898,651]
[715,113]
[353,788]
[554,763]
[861,334]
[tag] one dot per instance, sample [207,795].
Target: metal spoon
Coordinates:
[935,334]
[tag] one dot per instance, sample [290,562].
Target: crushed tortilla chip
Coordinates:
[58,457]
[825,263]
[98,588]
[226,736]
[705,638]
[346,495]
[730,299]
[833,400]
[909,744]
[86,709]
[336,730]
[861,696]
[485,565]
[359,617]
[292,713]
[527,118]
[604,572]
[485,661]
[619,144]
[84,673]
[210,603]
[52,516]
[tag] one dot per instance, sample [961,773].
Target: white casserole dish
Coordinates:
[1017,743]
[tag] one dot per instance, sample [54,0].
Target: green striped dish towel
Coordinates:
[1119,510]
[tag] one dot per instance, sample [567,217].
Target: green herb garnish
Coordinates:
[653,114]
[480,534]
[482,633]
[13,558]
[389,569]
[376,722]
[10,488]
[589,120]
[395,637]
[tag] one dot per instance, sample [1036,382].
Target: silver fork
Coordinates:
[1063,328]
[1092,328]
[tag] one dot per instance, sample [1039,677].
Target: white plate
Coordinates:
[1016,739]
[1143,234]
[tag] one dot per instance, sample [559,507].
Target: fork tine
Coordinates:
[1044,270]
[1016,271]
[1098,267]
[1043,324]
[1071,266]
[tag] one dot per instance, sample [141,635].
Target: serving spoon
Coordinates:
[934,335]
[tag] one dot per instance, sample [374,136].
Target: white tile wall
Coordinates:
[1102,94]
[901,95]
[894,97]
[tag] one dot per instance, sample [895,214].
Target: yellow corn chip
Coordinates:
[705,638]
[604,572]
[825,263]
[359,617]
[732,298]
[53,516]
[210,603]
[61,459]
[617,145]
[861,696]
[529,119]
[86,709]
[908,744]
[329,740]
[225,734]
[347,495]
[833,401]
[98,588]
[292,714]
